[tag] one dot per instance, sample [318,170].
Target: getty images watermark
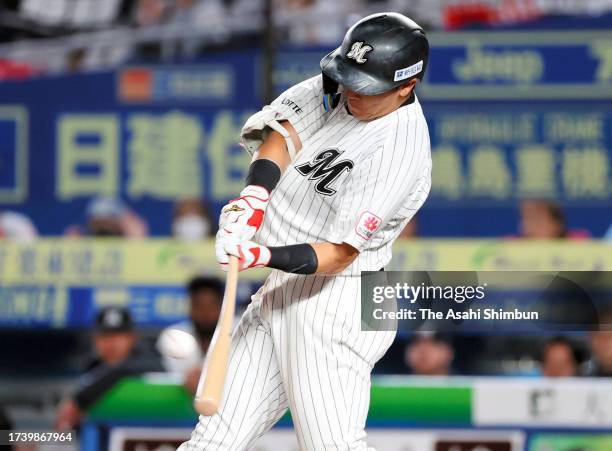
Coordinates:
[405,292]
[486,301]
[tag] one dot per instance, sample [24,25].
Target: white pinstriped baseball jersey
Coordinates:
[355,182]
[299,345]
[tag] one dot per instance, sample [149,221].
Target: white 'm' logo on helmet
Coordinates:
[358,51]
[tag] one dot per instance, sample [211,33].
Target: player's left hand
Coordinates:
[250,254]
[242,217]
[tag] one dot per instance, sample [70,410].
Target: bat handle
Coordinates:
[231,281]
[207,406]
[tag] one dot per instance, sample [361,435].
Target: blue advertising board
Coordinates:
[512,115]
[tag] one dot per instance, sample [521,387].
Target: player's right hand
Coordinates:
[242,217]
[250,254]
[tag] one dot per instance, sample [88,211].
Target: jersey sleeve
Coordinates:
[301,105]
[391,183]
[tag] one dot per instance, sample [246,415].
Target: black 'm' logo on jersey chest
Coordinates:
[325,169]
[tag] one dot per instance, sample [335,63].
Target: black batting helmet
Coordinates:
[378,53]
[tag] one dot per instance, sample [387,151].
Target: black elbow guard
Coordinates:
[264,173]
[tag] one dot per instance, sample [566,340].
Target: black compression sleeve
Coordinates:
[264,173]
[298,259]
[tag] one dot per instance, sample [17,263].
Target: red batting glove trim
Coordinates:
[256,219]
[240,255]
[256,252]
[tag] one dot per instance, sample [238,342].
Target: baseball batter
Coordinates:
[341,163]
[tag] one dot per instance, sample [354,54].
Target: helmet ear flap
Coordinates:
[331,97]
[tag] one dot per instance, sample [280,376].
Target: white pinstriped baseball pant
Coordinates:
[298,346]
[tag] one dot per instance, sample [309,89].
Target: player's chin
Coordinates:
[358,112]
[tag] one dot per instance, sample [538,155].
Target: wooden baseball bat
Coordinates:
[212,380]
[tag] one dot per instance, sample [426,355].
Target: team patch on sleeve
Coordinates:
[367,225]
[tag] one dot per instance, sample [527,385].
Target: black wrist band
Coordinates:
[264,173]
[297,258]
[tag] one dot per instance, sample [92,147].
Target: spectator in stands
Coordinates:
[109,217]
[150,12]
[430,354]
[16,227]
[75,60]
[205,300]
[600,364]
[196,14]
[146,14]
[192,220]
[541,219]
[318,21]
[559,358]
[118,354]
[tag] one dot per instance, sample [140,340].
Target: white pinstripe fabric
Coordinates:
[299,344]
[391,178]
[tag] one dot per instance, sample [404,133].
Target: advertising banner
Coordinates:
[508,121]
[61,283]
[571,404]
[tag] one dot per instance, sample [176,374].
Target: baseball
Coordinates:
[177,344]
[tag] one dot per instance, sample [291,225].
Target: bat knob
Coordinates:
[206,406]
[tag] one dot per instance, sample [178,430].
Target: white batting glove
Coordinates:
[242,217]
[250,254]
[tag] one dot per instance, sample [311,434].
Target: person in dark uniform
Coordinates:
[119,353]
[600,365]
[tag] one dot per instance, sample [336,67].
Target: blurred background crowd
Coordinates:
[73,41]
[83,34]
